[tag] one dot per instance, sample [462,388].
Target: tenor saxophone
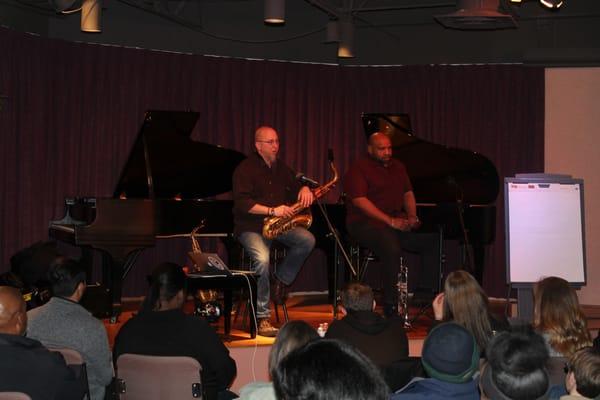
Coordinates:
[274,226]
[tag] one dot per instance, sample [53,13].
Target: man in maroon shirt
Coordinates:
[381,212]
[264,186]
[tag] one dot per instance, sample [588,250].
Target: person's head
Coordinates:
[583,376]
[556,312]
[13,315]
[291,336]
[67,278]
[328,370]
[380,147]
[167,288]
[466,303]
[516,367]
[358,297]
[450,353]
[266,142]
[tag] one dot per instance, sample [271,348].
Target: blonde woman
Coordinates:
[464,302]
[558,317]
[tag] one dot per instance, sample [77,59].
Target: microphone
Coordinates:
[306,180]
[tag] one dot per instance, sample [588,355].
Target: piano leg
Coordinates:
[114,264]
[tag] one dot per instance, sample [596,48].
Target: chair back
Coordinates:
[142,377]
[76,362]
[14,396]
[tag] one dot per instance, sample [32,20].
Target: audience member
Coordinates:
[464,302]
[558,317]
[26,366]
[515,368]
[63,322]
[328,370]
[162,329]
[291,336]
[382,340]
[583,376]
[450,356]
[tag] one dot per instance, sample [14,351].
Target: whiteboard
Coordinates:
[544,230]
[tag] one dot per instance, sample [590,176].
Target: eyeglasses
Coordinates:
[269,142]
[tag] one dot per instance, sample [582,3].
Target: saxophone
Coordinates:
[274,226]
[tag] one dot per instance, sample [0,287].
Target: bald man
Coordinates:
[381,212]
[25,365]
[264,186]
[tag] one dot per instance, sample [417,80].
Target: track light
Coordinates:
[346,43]
[91,11]
[552,3]
[274,12]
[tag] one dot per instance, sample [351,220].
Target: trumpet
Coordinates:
[403,293]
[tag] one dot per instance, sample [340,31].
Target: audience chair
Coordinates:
[76,362]
[141,377]
[14,396]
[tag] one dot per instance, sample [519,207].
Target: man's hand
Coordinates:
[400,224]
[305,196]
[438,307]
[413,222]
[283,211]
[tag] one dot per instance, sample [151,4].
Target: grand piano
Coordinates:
[159,194]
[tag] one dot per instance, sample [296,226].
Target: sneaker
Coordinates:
[266,329]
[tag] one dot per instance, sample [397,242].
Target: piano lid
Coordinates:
[439,174]
[164,162]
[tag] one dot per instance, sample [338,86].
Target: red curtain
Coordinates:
[73,111]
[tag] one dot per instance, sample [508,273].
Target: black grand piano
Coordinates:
[156,196]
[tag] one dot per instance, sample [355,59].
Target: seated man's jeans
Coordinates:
[299,243]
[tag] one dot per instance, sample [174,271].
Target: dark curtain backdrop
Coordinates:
[73,111]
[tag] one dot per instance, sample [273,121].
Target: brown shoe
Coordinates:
[279,291]
[266,329]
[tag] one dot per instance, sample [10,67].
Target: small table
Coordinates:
[237,280]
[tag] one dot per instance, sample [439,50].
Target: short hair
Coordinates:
[585,365]
[166,281]
[291,336]
[516,366]
[357,297]
[328,369]
[65,274]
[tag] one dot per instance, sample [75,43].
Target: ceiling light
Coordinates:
[346,44]
[91,11]
[552,3]
[274,12]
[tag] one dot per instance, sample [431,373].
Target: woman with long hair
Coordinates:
[464,302]
[558,317]
[161,328]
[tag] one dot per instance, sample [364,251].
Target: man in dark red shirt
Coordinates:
[381,211]
[264,186]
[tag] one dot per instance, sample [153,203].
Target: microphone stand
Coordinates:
[338,247]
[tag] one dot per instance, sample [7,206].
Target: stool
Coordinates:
[277,254]
[361,257]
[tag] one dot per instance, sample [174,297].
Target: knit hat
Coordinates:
[450,353]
